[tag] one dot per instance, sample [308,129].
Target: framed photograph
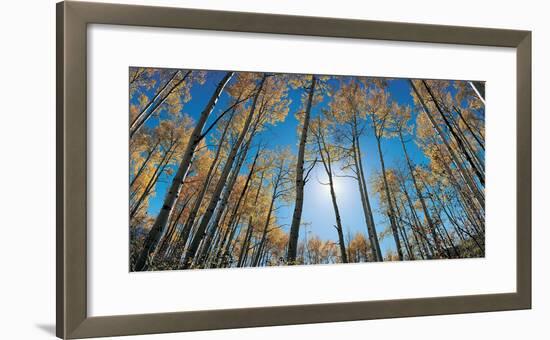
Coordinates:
[223,169]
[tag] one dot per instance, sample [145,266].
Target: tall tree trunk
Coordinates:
[145,162]
[479,89]
[203,254]
[148,111]
[438,211]
[186,229]
[200,233]
[300,181]
[324,152]
[220,208]
[418,228]
[242,197]
[276,182]
[459,229]
[391,210]
[153,180]
[168,237]
[250,228]
[465,174]
[479,174]
[223,250]
[245,244]
[339,228]
[447,235]
[177,183]
[367,210]
[228,190]
[465,141]
[470,204]
[256,259]
[470,129]
[421,197]
[402,230]
[420,246]
[139,117]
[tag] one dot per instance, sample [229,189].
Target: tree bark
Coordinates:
[402,230]
[150,103]
[470,129]
[244,247]
[201,255]
[256,258]
[186,229]
[479,89]
[145,162]
[229,234]
[467,177]
[200,233]
[228,190]
[153,180]
[250,228]
[177,183]
[417,227]
[473,165]
[168,237]
[421,197]
[367,210]
[324,152]
[144,115]
[391,210]
[276,182]
[300,183]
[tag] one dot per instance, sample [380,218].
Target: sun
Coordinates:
[322,183]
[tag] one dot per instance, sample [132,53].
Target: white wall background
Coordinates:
[27,168]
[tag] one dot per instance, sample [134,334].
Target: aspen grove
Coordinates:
[249,169]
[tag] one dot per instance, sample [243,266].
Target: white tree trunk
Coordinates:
[177,183]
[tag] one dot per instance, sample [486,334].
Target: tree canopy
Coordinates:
[237,169]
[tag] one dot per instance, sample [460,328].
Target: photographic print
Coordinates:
[250,169]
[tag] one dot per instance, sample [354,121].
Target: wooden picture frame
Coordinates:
[71,162]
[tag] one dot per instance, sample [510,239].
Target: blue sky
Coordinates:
[318,212]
